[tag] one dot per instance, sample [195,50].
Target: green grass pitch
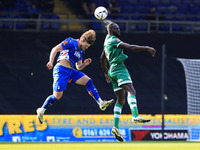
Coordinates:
[142,145]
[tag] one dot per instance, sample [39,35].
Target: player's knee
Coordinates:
[89,81]
[121,101]
[57,96]
[132,92]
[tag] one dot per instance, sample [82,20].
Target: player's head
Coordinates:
[87,39]
[113,29]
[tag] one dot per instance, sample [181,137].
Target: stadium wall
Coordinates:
[26,82]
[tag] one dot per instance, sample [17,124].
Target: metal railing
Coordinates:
[127,22]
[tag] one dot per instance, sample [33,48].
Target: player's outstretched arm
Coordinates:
[137,48]
[53,53]
[104,67]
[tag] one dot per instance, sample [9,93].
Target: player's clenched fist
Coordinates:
[49,65]
[87,61]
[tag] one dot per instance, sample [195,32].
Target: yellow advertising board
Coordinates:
[11,125]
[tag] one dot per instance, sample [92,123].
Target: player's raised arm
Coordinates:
[137,48]
[53,55]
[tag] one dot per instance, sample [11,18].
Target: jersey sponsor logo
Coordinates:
[64,52]
[64,55]
[65,43]
[77,54]
[117,39]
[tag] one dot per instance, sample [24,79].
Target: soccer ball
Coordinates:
[101,13]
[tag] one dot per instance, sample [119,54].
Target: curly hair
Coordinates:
[89,37]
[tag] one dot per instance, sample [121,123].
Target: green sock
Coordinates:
[133,105]
[117,114]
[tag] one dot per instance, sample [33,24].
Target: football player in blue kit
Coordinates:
[71,54]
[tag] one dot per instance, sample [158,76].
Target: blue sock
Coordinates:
[92,90]
[49,101]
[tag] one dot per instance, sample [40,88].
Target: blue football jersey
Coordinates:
[71,51]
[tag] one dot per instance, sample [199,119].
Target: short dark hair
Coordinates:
[89,37]
[110,26]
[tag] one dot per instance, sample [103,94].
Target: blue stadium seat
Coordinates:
[155,2]
[122,26]
[176,27]
[96,25]
[198,17]
[124,11]
[178,16]
[161,8]
[193,9]
[121,2]
[121,17]
[183,8]
[133,11]
[144,2]
[20,25]
[177,2]
[55,25]
[142,27]
[139,7]
[134,14]
[187,28]
[46,24]
[172,7]
[164,27]
[126,8]
[133,1]
[13,9]
[165,2]
[196,2]
[7,25]
[1,24]
[100,2]
[187,2]
[20,5]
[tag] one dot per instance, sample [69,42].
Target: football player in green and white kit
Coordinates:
[119,76]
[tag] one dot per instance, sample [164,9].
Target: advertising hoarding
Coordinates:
[64,128]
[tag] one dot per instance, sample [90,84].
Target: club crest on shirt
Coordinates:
[117,39]
[65,43]
[77,54]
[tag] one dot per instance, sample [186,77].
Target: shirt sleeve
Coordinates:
[116,41]
[66,43]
